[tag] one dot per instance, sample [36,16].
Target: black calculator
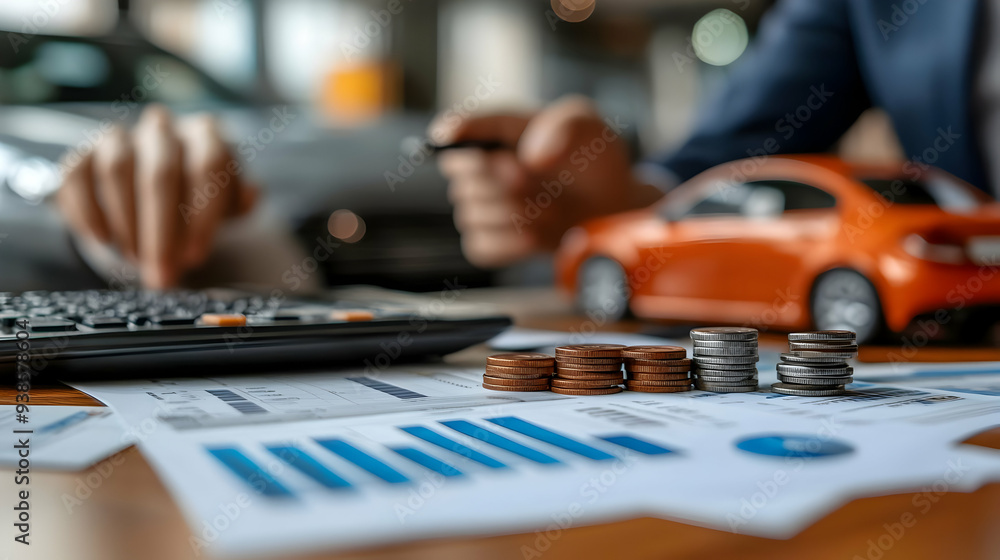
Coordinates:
[138,333]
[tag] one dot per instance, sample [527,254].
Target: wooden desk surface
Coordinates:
[124,511]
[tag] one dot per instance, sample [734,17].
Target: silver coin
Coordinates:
[727,351]
[714,388]
[718,361]
[822,335]
[724,333]
[793,369]
[711,380]
[725,343]
[824,354]
[822,346]
[820,361]
[741,371]
[841,380]
[808,390]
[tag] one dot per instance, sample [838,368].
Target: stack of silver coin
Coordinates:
[725,359]
[816,365]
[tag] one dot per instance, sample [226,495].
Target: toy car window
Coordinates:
[901,191]
[759,199]
[721,199]
[936,188]
[798,196]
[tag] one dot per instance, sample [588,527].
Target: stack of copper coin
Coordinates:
[657,369]
[588,369]
[524,371]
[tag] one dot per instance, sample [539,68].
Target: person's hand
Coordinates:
[158,193]
[565,165]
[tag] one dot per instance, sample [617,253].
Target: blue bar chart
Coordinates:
[483,445]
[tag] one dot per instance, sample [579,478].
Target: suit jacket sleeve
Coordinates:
[797,91]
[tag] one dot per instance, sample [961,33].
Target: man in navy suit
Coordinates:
[932,66]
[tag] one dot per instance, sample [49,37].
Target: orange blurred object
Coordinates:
[794,242]
[224,320]
[360,92]
[352,315]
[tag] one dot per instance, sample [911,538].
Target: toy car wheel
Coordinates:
[603,288]
[844,299]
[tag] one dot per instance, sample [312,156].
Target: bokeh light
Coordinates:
[573,11]
[346,226]
[720,37]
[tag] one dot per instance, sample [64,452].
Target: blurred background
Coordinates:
[357,81]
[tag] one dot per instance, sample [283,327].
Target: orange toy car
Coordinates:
[795,242]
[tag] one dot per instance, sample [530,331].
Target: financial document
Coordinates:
[67,438]
[424,451]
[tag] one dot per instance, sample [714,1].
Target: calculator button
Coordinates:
[104,322]
[138,319]
[7,319]
[224,320]
[351,315]
[171,320]
[51,325]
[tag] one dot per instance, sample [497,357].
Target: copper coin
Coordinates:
[660,382]
[641,362]
[590,350]
[575,360]
[654,352]
[650,389]
[523,376]
[589,374]
[547,370]
[656,376]
[588,367]
[657,369]
[518,388]
[515,382]
[602,391]
[521,359]
[583,383]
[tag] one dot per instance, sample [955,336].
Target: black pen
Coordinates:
[487,145]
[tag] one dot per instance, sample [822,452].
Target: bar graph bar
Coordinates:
[432,437]
[363,460]
[541,434]
[636,444]
[249,471]
[387,388]
[497,440]
[308,466]
[427,461]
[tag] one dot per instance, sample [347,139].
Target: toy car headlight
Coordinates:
[938,250]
